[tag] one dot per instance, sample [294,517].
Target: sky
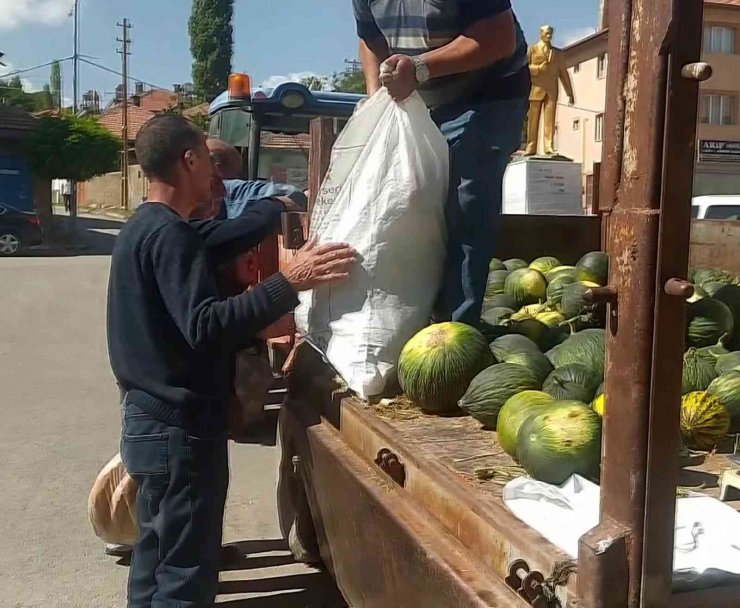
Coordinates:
[274,40]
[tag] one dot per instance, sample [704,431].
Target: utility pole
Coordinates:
[124,52]
[75,97]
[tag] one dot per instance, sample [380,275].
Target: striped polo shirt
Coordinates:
[413,27]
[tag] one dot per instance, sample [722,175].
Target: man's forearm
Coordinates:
[371,56]
[483,43]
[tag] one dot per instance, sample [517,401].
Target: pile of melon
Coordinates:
[535,371]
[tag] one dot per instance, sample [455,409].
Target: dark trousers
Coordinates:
[180,507]
[482,139]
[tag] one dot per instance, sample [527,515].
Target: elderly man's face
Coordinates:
[546,34]
[207,210]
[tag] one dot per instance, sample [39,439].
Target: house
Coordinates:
[19,187]
[105,190]
[580,129]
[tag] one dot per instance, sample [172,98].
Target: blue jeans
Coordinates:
[482,139]
[180,507]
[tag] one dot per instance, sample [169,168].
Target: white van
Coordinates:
[716,207]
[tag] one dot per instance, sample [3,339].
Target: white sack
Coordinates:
[384,194]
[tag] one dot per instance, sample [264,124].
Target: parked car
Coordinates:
[18,230]
[716,207]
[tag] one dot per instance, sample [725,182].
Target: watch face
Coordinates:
[422,71]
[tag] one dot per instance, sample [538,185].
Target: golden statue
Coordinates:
[547,66]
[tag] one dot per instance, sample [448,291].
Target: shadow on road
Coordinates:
[95,236]
[314,589]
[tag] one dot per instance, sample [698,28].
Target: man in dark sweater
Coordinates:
[169,337]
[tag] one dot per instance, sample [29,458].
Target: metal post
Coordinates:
[125,41]
[634,512]
[75,97]
[255,141]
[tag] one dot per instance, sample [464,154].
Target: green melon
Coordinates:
[699,294]
[556,288]
[515,412]
[729,295]
[709,321]
[528,312]
[728,363]
[727,389]
[526,286]
[496,316]
[437,365]
[500,300]
[712,353]
[515,264]
[594,267]
[704,420]
[573,300]
[712,287]
[586,347]
[533,329]
[551,318]
[496,264]
[507,345]
[598,405]
[496,282]
[574,382]
[545,264]
[561,271]
[712,275]
[698,372]
[536,363]
[493,387]
[562,441]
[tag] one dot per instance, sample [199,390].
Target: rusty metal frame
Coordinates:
[646,183]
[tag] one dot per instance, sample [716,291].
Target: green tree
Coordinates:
[12,94]
[55,84]
[72,147]
[313,83]
[211,44]
[351,81]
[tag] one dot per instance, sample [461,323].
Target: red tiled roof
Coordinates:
[111,120]
[14,122]
[199,110]
[157,100]
[274,141]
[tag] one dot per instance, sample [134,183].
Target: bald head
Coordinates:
[226,159]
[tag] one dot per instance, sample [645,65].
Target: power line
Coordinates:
[117,73]
[32,68]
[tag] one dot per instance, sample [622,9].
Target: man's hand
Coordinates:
[398,75]
[314,266]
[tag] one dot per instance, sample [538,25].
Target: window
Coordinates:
[601,66]
[718,109]
[722,212]
[577,124]
[599,128]
[694,211]
[719,40]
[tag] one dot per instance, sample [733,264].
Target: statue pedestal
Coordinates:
[543,185]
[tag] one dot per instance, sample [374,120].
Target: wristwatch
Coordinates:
[422,70]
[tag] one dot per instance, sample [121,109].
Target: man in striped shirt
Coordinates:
[468,60]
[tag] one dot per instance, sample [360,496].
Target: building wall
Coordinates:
[590,92]
[105,190]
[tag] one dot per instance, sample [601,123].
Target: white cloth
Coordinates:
[707,530]
[384,194]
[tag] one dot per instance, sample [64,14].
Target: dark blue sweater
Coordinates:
[169,334]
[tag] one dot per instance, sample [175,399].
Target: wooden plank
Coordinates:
[717,597]
[715,244]
[323,136]
[531,236]
[381,546]
[472,512]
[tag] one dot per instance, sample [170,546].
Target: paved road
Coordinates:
[60,424]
